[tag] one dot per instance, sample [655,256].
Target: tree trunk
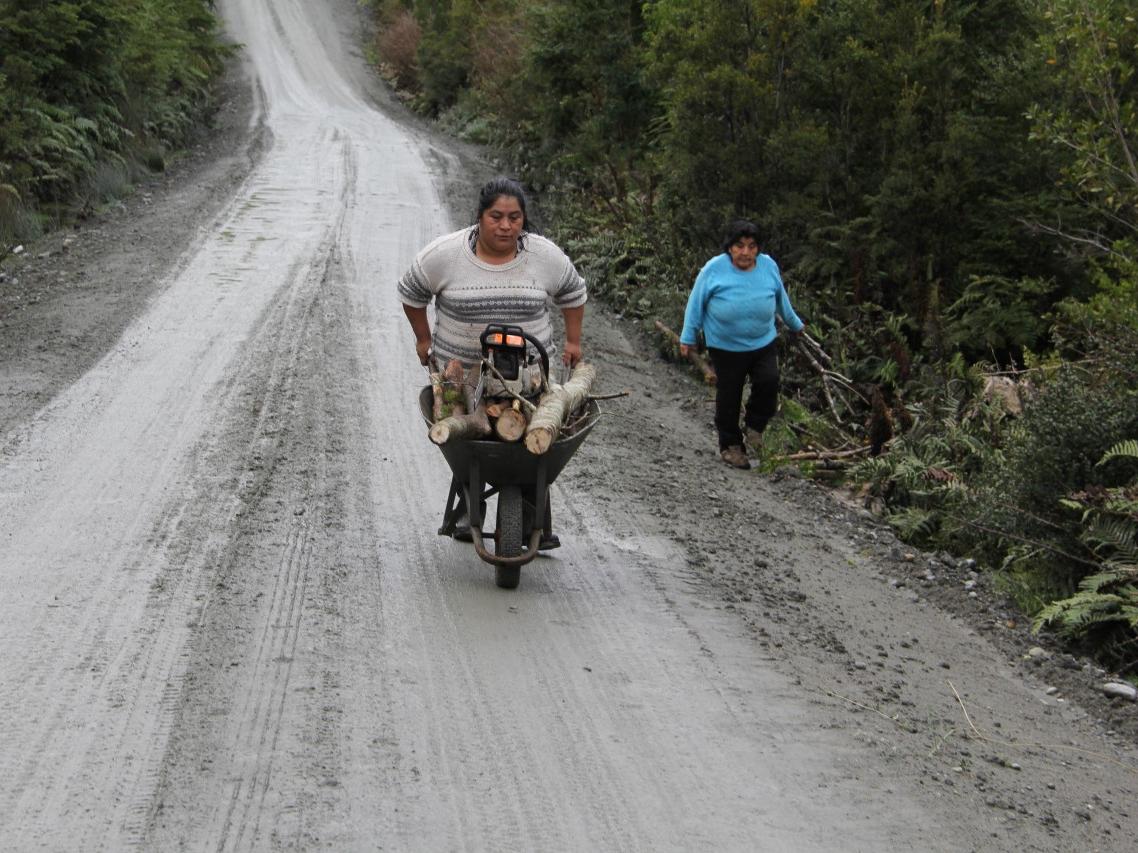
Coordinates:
[556,406]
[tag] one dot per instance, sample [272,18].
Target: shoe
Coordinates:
[548,543]
[755,440]
[735,456]
[462,530]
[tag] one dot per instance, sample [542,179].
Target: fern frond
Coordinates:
[1116,534]
[1098,582]
[1124,449]
[914,523]
[1080,613]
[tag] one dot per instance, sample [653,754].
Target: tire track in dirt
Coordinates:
[242,715]
[74,500]
[256,739]
[285,324]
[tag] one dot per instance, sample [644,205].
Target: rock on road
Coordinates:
[226,622]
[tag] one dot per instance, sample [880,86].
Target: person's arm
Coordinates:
[573,322]
[422,329]
[785,311]
[693,315]
[416,292]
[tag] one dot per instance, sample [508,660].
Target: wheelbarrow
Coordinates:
[520,479]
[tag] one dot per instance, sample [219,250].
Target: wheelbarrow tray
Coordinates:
[476,463]
[503,463]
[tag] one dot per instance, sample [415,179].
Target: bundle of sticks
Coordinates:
[458,415]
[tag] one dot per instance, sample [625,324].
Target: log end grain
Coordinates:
[538,441]
[510,425]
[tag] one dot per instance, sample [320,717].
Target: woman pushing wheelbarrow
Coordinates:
[493,284]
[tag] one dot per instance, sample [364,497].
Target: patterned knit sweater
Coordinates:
[469,293]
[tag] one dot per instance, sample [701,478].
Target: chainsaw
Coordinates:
[514,363]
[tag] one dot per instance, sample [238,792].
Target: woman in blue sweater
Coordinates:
[736,298]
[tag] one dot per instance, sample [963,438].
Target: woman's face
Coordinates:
[743,252]
[500,225]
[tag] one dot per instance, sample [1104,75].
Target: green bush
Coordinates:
[90,82]
[1103,614]
[397,44]
[17,223]
[1053,451]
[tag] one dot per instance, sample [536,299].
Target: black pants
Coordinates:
[732,370]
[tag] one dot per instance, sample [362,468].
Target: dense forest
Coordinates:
[91,92]
[951,190]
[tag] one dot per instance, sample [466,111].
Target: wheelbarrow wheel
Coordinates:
[508,536]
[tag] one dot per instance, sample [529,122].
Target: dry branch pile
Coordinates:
[457,415]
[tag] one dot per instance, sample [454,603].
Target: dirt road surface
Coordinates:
[226,621]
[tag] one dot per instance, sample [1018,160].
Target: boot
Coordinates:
[735,456]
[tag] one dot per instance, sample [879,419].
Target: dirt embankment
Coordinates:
[66,298]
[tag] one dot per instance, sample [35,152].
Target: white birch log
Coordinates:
[555,407]
[436,396]
[474,425]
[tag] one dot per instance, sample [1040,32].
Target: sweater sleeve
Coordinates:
[570,291]
[415,287]
[693,316]
[783,306]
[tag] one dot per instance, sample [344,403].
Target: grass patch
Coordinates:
[17,223]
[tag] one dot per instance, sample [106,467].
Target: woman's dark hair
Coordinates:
[497,188]
[737,230]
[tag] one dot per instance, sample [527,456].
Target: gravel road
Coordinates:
[227,622]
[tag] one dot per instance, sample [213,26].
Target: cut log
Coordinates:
[453,390]
[454,372]
[468,396]
[555,407]
[437,397]
[695,357]
[494,408]
[474,425]
[510,425]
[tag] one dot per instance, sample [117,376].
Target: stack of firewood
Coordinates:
[457,415]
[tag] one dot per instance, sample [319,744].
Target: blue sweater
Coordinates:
[736,309]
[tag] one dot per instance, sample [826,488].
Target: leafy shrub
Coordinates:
[922,482]
[85,82]
[996,314]
[1104,611]
[629,274]
[398,44]
[16,222]
[1052,451]
[153,157]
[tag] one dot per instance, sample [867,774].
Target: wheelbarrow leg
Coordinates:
[455,509]
[549,539]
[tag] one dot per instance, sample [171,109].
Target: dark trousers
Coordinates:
[732,370]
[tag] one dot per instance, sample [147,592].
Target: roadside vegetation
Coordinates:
[951,190]
[92,93]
